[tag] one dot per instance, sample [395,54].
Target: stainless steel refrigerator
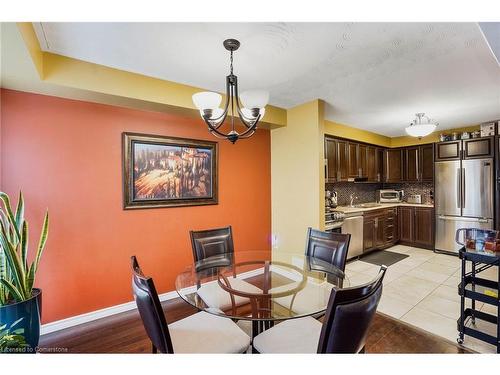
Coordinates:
[464,198]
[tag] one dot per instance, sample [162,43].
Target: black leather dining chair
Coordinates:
[199,333]
[214,248]
[328,247]
[324,249]
[344,329]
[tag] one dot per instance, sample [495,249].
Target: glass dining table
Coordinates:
[260,286]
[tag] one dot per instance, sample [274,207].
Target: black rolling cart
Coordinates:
[476,288]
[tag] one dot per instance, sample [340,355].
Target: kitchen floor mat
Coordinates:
[383,257]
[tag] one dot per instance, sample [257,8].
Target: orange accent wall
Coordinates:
[66,156]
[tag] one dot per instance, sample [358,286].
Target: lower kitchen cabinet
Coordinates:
[379,229]
[424,227]
[416,226]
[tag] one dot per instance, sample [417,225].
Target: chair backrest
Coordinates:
[328,247]
[349,315]
[212,243]
[150,309]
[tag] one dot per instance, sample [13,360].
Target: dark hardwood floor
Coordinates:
[124,333]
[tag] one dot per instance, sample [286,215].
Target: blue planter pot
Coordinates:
[31,312]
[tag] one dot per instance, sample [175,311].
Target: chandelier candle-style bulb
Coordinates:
[249,106]
[421,126]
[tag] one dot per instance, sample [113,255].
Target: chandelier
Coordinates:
[421,126]
[253,109]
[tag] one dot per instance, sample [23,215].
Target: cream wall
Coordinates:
[297,176]
[349,132]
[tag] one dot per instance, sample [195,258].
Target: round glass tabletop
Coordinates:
[260,285]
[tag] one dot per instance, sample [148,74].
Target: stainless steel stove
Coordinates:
[333,220]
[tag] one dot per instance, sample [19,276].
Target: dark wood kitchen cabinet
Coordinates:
[418,163]
[424,227]
[477,148]
[343,161]
[416,226]
[379,228]
[448,150]
[374,166]
[427,163]
[353,169]
[406,225]
[393,159]
[331,160]
[363,161]
[336,160]
[347,160]
[411,168]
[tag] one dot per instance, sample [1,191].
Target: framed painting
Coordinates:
[163,171]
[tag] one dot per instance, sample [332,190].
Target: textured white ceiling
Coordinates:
[374,76]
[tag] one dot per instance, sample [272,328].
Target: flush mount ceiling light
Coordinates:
[421,126]
[253,109]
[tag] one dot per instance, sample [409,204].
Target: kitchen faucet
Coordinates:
[353,197]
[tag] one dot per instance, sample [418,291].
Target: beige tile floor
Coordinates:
[422,290]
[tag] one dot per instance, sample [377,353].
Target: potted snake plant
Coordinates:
[20,301]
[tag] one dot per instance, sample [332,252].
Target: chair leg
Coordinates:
[154,350]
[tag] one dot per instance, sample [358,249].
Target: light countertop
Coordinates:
[350,210]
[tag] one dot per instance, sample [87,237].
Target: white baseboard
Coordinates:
[97,314]
[113,310]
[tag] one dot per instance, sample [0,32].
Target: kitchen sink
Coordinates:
[367,205]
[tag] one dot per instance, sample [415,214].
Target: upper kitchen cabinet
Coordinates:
[336,160]
[393,159]
[362,161]
[353,160]
[347,160]
[474,148]
[427,163]
[343,161]
[331,160]
[448,150]
[374,164]
[411,167]
[478,148]
[418,163]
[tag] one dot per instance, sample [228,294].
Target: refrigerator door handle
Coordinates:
[459,193]
[461,218]
[462,175]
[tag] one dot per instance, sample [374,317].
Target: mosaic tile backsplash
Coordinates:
[366,192]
